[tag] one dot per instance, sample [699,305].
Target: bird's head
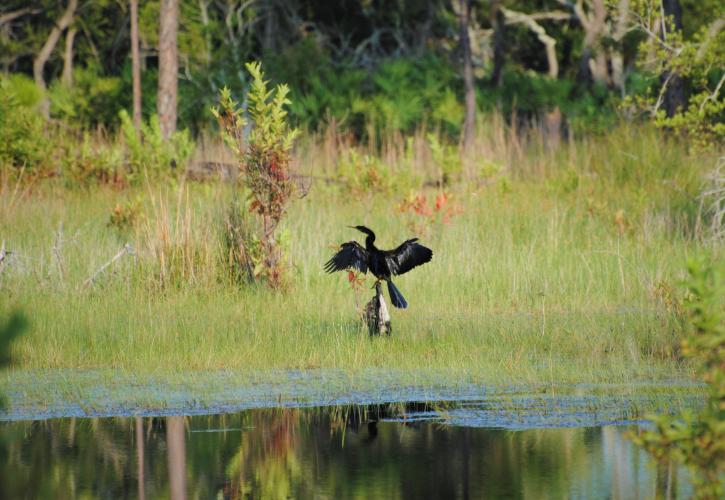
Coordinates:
[363,229]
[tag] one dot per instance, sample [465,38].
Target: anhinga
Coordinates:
[382,263]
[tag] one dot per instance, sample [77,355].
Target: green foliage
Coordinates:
[362,174]
[322,90]
[92,161]
[264,162]
[271,134]
[698,441]
[529,94]
[397,95]
[24,90]
[92,100]
[408,91]
[698,58]
[22,139]
[446,157]
[704,119]
[150,154]
[380,68]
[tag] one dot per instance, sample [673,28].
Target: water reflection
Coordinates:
[333,453]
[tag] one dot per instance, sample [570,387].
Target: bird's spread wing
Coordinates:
[407,256]
[352,255]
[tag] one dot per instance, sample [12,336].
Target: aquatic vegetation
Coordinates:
[697,440]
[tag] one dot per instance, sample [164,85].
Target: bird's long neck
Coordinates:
[370,241]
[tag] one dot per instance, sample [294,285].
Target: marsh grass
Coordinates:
[562,269]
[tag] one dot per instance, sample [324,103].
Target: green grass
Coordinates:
[538,281]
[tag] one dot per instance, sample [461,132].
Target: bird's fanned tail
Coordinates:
[396,297]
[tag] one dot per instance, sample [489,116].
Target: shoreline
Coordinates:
[48,394]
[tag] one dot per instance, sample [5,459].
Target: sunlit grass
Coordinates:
[559,280]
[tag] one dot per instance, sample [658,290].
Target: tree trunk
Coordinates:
[674,99]
[135,67]
[376,313]
[47,49]
[269,28]
[470,121]
[67,77]
[616,57]
[552,119]
[176,447]
[168,67]
[499,42]
[593,64]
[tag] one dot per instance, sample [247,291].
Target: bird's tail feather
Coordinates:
[396,297]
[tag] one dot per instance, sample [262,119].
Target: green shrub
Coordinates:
[397,95]
[446,157]
[406,92]
[697,56]
[125,216]
[92,100]
[24,89]
[264,163]
[93,161]
[529,94]
[150,154]
[698,440]
[361,174]
[22,141]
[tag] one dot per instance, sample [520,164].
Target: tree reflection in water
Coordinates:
[331,452]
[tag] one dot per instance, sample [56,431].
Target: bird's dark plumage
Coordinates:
[409,255]
[352,255]
[381,263]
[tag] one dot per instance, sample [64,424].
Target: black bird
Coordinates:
[382,263]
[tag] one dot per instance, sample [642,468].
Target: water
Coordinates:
[398,451]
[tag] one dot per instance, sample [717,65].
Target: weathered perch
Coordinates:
[376,313]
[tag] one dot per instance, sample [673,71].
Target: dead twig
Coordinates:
[126,250]
[57,244]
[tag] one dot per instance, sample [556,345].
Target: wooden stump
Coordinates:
[376,313]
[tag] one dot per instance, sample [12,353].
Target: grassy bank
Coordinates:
[565,275]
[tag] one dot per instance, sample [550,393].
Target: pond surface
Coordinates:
[392,451]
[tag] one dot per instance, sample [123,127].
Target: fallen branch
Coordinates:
[127,249]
